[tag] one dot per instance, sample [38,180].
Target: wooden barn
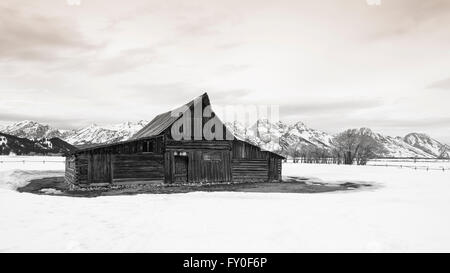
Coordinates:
[156,155]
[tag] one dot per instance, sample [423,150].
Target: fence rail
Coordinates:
[385,162]
[427,168]
[31,161]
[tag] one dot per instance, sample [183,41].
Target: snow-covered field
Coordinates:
[408,211]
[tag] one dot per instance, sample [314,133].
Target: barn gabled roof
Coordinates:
[163,121]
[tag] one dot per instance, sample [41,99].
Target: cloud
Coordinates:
[229,96]
[147,56]
[418,123]
[126,61]
[442,84]
[176,93]
[31,37]
[403,17]
[328,107]
[232,68]
[228,46]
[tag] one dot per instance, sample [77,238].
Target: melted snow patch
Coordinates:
[51,191]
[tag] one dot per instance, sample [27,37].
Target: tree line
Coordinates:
[349,147]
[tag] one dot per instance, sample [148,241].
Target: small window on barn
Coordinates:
[150,146]
[144,147]
[212,157]
[147,147]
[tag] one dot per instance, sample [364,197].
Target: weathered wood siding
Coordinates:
[172,145]
[131,162]
[203,166]
[207,161]
[274,169]
[249,164]
[76,169]
[99,168]
[82,163]
[137,168]
[250,170]
[252,164]
[70,173]
[244,150]
[154,144]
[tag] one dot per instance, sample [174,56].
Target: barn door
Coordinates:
[181,169]
[99,168]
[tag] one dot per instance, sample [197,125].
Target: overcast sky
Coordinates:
[331,64]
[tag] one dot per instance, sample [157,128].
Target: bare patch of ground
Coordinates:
[57,186]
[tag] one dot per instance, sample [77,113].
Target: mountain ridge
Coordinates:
[13,145]
[272,136]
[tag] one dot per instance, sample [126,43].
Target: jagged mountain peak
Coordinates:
[428,144]
[96,134]
[300,125]
[33,130]
[415,137]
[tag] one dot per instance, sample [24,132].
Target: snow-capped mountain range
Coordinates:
[33,130]
[270,136]
[279,135]
[275,136]
[95,134]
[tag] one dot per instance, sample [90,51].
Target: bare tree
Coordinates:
[294,151]
[353,144]
[369,148]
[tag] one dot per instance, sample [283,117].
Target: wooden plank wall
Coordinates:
[201,170]
[99,168]
[70,173]
[130,161]
[82,169]
[172,145]
[279,169]
[217,170]
[244,150]
[138,167]
[249,163]
[274,169]
[76,169]
[250,170]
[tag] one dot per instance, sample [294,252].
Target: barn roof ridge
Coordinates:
[164,120]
